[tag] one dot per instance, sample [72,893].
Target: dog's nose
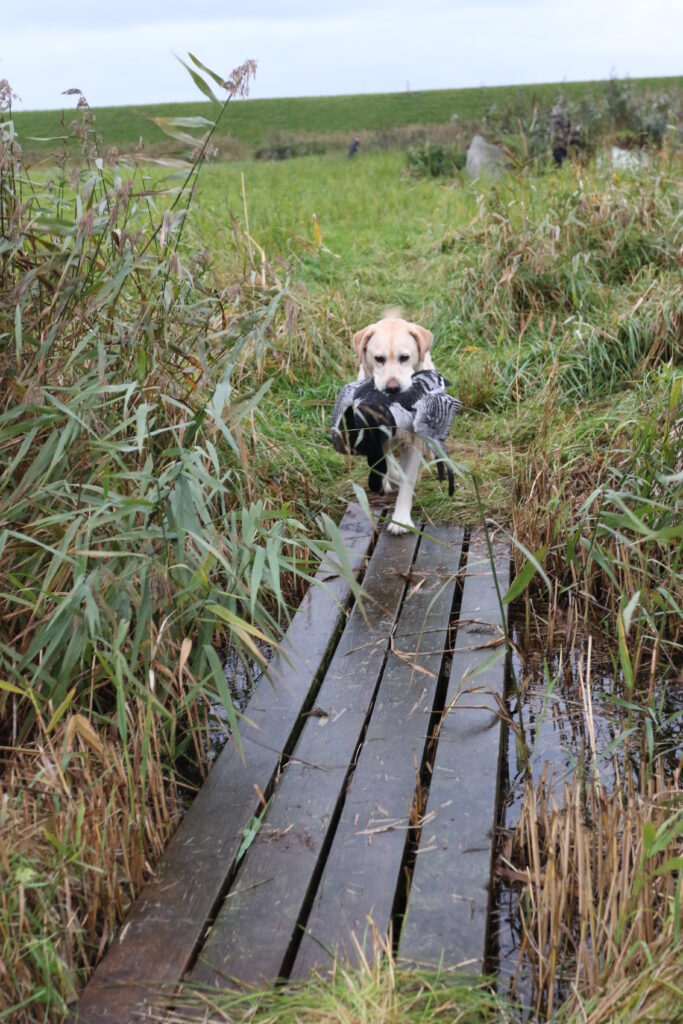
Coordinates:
[392,386]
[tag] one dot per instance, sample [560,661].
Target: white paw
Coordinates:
[398,527]
[387,485]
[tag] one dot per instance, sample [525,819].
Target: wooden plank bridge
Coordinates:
[375,742]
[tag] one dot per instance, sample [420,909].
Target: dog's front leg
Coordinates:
[401,520]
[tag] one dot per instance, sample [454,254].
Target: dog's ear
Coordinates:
[361,339]
[424,339]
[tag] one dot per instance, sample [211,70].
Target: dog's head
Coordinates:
[391,351]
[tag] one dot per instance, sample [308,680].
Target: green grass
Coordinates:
[255,122]
[441,253]
[379,994]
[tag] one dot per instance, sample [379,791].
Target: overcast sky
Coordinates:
[122,51]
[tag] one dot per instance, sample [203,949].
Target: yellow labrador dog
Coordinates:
[391,351]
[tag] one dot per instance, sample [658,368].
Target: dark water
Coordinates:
[568,674]
[241,674]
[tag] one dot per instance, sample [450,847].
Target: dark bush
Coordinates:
[614,110]
[433,160]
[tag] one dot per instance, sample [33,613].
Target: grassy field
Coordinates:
[442,254]
[255,122]
[170,352]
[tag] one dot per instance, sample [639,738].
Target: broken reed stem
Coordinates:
[588,708]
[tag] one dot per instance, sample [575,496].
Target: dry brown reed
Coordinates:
[82,822]
[600,885]
[653,996]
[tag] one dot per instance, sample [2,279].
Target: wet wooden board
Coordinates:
[257,924]
[364,864]
[448,900]
[166,924]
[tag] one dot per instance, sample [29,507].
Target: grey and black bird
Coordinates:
[365,419]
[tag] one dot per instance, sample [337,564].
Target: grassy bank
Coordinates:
[170,351]
[529,287]
[255,123]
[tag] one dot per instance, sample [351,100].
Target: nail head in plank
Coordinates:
[164,927]
[255,927]
[448,900]
[364,864]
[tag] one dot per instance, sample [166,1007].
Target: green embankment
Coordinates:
[255,122]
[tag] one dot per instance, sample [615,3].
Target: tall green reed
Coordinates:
[132,531]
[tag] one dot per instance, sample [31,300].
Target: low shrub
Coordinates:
[434,160]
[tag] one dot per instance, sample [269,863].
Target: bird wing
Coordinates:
[344,400]
[434,415]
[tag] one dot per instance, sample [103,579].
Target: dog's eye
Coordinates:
[403,359]
[381,360]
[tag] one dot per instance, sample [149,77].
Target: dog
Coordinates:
[390,352]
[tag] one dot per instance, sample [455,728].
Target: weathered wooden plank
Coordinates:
[253,931]
[448,900]
[165,925]
[364,864]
